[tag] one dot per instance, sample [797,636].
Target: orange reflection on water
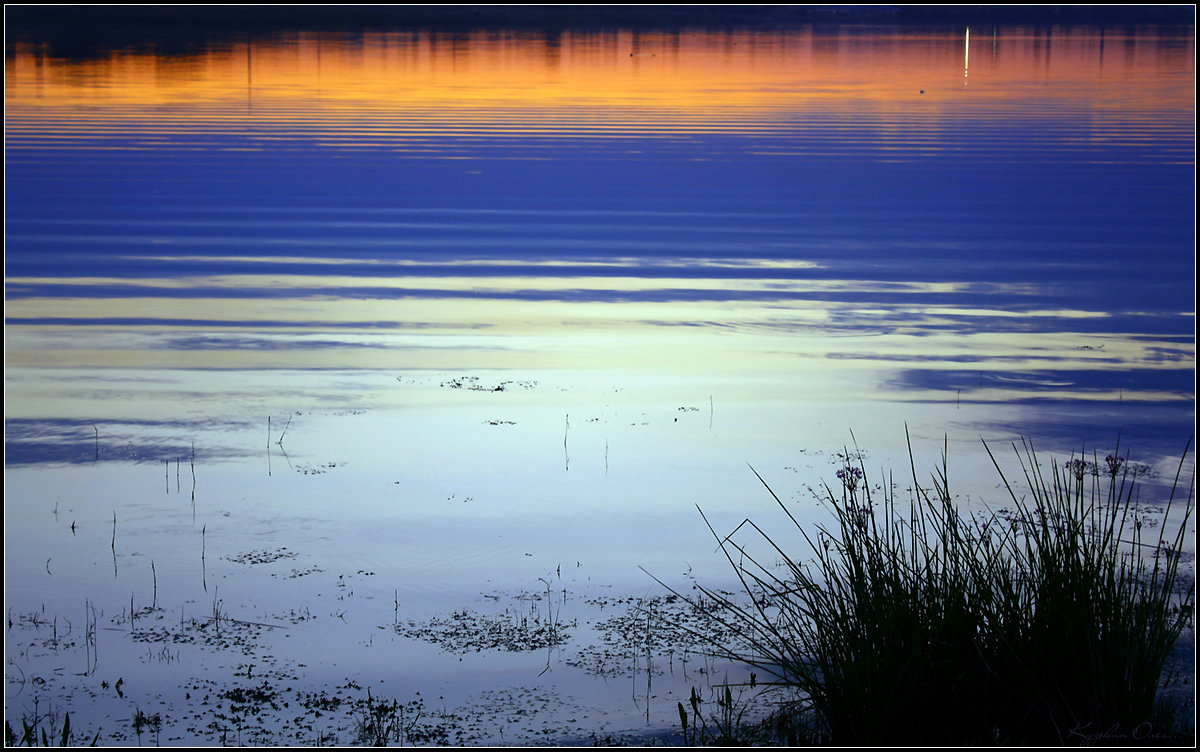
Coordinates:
[354,89]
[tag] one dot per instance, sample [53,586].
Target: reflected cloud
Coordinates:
[212,342]
[1114,384]
[643,266]
[30,441]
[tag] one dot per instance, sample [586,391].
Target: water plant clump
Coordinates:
[378,722]
[43,729]
[917,623]
[471,632]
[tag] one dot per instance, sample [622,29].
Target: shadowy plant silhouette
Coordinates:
[916,623]
[34,733]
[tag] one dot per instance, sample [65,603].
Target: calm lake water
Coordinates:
[379,342]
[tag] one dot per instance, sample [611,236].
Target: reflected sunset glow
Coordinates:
[425,94]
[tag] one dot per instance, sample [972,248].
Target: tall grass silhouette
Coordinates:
[916,622]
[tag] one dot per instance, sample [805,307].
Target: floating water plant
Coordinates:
[917,623]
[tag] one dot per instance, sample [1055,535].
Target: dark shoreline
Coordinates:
[87,30]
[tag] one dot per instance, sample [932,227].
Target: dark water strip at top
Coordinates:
[88,30]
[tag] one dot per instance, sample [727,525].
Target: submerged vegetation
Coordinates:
[920,623]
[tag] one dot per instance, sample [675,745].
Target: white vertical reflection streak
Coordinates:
[966,55]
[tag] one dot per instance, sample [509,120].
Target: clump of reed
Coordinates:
[917,623]
[43,729]
[379,722]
